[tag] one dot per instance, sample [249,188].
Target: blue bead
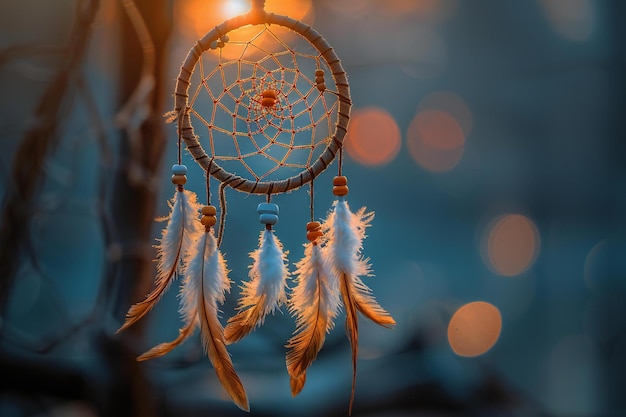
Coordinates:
[267,218]
[268,208]
[179,169]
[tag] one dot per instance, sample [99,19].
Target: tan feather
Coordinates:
[167,347]
[176,239]
[305,345]
[137,311]
[297,383]
[245,321]
[369,307]
[352,326]
[206,282]
[314,301]
[215,346]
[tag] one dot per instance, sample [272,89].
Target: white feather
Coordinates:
[315,303]
[314,275]
[207,269]
[264,292]
[346,232]
[268,273]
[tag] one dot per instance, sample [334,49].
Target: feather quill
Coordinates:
[314,302]
[346,231]
[172,251]
[264,292]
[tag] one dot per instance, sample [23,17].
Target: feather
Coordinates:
[314,303]
[167,347]
[209,273]
[297,383]
[352,328]
[264,292]
[346,232]
[173,249]
[205,284]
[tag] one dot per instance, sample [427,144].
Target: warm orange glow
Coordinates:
[196,17]
[474,328]
[435,140]
[573,20]
[452,104]
[373,137]
[512,245]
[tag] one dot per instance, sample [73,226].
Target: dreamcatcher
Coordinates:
[262,104]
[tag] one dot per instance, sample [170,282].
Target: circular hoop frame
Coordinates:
[185,129]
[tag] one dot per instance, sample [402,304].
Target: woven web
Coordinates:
[245,136]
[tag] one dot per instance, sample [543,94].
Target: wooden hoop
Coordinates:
[257,16]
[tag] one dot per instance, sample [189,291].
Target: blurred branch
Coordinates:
[38,143]
[142,142]
[133,191]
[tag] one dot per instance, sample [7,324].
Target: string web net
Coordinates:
[255,104]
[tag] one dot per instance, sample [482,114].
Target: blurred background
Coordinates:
[487,136]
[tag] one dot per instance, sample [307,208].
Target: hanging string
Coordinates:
[222,198]
[180,138]
[207,177]
[340,161]
[312,197]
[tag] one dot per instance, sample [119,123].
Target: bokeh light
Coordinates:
[435,140]
[510,245]
[373,137]
[573,20]
[474,328]
[452,104]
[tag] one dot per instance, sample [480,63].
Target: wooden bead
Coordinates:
[321,87]
[179,169]
[269,94]
[268,102]
[319,73]
[340,180]
[209,210]
[314,235]
[178,179]
[340,190]
[208,220]
[225,38]
[313,226]
[319,80]
[213,45]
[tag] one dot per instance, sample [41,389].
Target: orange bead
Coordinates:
[321,87]
[319,73]
[340,180]
[314,235]
[269,94]
[209,210]
[179,179]
[319,80]
[208,220]
[340,190]
[313,226]
[268,102]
